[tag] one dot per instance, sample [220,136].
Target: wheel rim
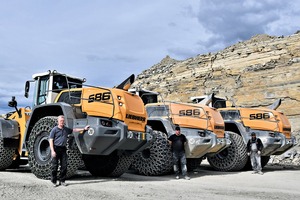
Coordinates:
[223,154]
[43,152]
[146,153]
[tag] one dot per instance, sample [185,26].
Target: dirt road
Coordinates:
[277,183]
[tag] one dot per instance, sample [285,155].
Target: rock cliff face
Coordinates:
[253,73]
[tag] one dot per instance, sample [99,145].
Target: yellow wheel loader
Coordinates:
[117,119]
[270,125]
[202,125]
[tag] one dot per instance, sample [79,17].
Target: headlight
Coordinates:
[272,134]
[106,123]
[91,131]
[201,133]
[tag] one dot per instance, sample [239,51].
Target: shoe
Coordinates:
[54,184]
[254,172]
[63,184]
[261,173]
[187,178]
[177,177]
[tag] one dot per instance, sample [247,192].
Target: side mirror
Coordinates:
[27,86]
[13,103]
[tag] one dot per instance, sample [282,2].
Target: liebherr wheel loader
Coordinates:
[202,125]
[116,117]
[270,125]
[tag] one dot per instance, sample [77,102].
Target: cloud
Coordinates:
[106,41]
[227,22]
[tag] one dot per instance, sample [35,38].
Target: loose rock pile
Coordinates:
[289,158]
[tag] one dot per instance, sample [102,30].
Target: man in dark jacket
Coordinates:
[254,148]
[58,142]
[177,142]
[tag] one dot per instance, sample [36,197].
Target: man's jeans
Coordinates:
[179,157]
[255,161]
[62,159]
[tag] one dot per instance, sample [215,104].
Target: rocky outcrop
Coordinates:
[253,73]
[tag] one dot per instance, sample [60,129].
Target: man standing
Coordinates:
[58,145]
[177,142]
[254,148]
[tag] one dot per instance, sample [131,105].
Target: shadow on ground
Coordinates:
[130,175]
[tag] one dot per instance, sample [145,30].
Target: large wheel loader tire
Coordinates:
[193,163]
[16,161]
[156,159]
[39,153]
[264,161]
[6,156]
[113,165]
[248,165]
[233,158]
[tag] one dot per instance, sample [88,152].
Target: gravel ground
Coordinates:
[277,183]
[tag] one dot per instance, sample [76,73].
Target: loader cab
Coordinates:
[158,110]
[49,84]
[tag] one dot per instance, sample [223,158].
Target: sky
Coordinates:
[107,41]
